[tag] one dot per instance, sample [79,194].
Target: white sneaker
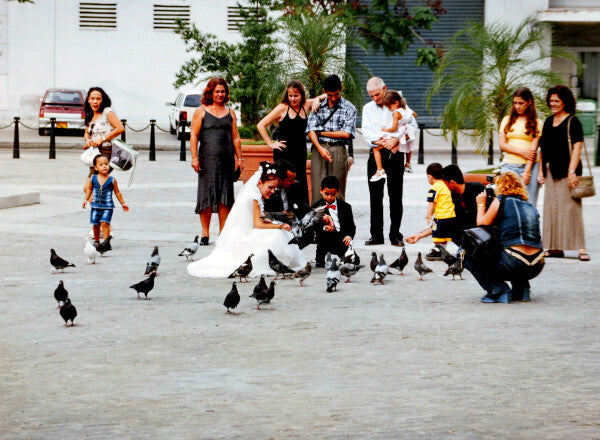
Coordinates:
[408,168]
[380,174]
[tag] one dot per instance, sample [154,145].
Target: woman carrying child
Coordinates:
[102,123]
[403,126]
[99,189]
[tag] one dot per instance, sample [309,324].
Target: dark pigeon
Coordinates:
[244,270]
[447,257]
[400,262]
[420,267]
[261,286]
[232,299]
[153,262]
[59,263]
[144,286]
[265,296]
[105,245]
[60,294]
[68,312]
[278,266]
[456,268]
[303,274]
[348,270]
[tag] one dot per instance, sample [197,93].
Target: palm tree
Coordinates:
[482,67]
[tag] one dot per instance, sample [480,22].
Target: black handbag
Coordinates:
[481,243]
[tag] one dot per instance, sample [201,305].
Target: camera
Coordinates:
[490,190]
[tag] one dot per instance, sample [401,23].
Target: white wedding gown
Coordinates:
[239,238]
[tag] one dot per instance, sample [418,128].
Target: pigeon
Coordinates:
[232,299]
[261,286]
[190,249]
[381,271]
[265,296]
[278,266]
[68,312]
[351,256]
[333,276]
[374,261]
[144,286]
[59,263]
[457,267]
[90,251]
[105,245]
[349,270]
[303,274]
[153,262]
[312,218]
[420,267]
[400,262]
[330,258]
[447,257]
[60,294]
[244,270]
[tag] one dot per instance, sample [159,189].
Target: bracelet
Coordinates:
[571,171]
[481,205]
[240,159]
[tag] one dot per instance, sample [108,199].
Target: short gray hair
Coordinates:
[375,83]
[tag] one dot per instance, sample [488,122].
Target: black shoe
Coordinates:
[434,255]
[396,242]
[373,241]
[204,241]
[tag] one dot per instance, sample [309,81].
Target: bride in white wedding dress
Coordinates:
[245,233]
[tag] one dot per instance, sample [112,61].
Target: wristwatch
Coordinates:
[571,171]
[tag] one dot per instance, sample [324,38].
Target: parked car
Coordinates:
[183,108]
[66,105]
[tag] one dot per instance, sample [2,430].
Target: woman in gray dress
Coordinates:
[217,157]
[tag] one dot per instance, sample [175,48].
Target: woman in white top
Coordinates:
[102,124]
[247,232]
[519,137]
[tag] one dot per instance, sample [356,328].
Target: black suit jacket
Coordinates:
[347,226]
[295,199]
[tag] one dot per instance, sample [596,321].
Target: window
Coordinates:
[166,16]
[97,15]
[193,101]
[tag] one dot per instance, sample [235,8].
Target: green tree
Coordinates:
[483,66]
[249,67]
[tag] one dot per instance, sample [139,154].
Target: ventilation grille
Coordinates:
[98,15]
[234,18]
[165,16]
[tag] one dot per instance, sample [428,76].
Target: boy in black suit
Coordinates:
[336,237]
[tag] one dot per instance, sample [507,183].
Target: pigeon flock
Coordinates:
[336,268]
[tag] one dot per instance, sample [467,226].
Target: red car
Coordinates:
[66,105]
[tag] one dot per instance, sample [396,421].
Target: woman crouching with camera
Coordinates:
[521,256]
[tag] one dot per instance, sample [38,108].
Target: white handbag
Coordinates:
[87,157]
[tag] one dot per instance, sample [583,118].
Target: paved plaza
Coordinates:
[408,360]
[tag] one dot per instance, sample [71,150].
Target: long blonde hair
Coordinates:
[510,184]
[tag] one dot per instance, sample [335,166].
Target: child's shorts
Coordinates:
[98,216]
[443,229]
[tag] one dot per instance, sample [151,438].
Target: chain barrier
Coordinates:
[9,125]
[162,129]
[22,124]
[433,134]
[137,131]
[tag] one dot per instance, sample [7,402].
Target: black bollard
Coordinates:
[16,153]
[491,151]
[182,124]
[123,136]
[421,159]
[52,152]
[454,158]
[152,153]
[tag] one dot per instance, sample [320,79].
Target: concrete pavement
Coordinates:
[407,360]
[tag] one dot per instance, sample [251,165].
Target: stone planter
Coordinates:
[253,155]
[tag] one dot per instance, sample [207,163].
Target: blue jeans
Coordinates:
[492,277]
[533,187]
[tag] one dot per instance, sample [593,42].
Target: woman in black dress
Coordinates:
[219,154]
[290,136]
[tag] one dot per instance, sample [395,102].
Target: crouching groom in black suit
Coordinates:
[289,196]
[335,236]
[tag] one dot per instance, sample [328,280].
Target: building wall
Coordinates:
[134,63]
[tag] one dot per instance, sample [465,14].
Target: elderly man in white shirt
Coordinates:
[375,116]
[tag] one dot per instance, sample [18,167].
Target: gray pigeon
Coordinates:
[153,262]
[330,258]
[420,267]
[278,266]
[457,267]
[243,270]
[303,274]
[60,294]
[381,271]
[68,312]
[333,276]
[265,296]
[59,263]
[374,261]
[232,299]
[400,262]
[348,270]
[90,251]
[351,256]
[190,249]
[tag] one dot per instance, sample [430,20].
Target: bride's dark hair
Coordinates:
[269,172]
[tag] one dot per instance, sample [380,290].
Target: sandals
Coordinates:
[552,253]
[584,257]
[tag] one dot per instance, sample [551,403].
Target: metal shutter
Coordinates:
[97,15]
[165,16]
